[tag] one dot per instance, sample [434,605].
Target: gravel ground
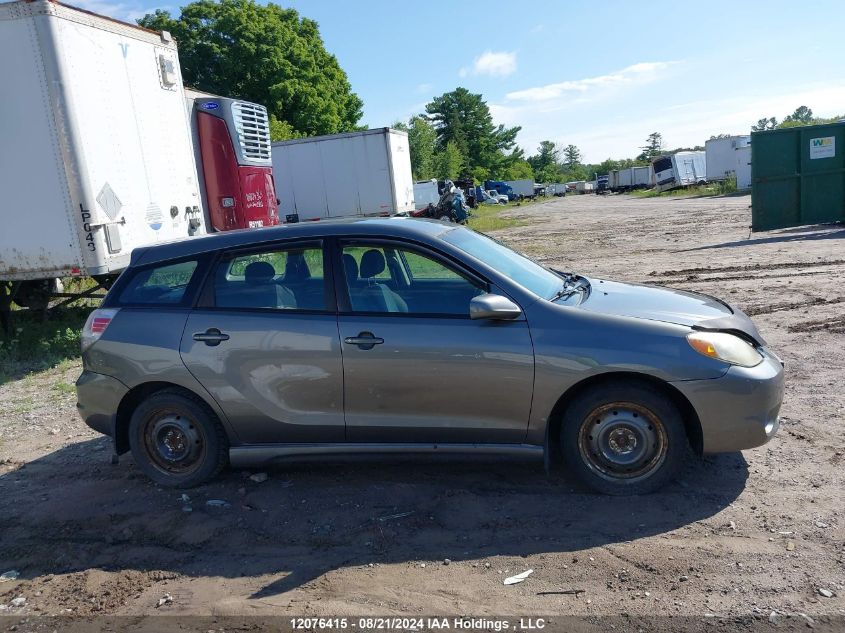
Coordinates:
[742,534]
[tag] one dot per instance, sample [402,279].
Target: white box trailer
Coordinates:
[641,177]
[681,169]
[521,188]
[425,193]
[342,175]
[721,155]
[613,180]
[95,147]
[742,155]
[626,179]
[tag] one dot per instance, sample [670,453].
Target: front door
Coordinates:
[265,345]
[416,367]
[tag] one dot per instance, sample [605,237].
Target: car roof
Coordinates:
[396,226]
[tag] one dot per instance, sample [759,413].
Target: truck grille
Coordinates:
[253,130]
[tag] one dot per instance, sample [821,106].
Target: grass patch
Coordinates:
[63,387]
[723,188]
[35,344]
[486,217]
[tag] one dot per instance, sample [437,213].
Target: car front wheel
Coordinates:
[176,440]
[624,438]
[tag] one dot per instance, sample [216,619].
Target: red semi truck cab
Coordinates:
[232,150]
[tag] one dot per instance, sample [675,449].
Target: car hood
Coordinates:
[666,304]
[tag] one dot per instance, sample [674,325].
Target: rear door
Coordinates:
[264,342]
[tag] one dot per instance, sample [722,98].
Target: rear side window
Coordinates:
[284,279]
[161,285]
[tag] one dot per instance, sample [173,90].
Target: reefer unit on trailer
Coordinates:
[232,153]
[680,169]
[95,147]
[341,175]
[425,193]
[721,155]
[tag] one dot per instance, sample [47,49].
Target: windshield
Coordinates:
[519,268]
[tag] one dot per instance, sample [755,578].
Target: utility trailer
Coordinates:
[342,175]
[681,169]
[96,150]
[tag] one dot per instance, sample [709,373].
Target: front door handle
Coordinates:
[364,340]
[211,337]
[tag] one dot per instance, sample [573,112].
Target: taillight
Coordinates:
[96,324]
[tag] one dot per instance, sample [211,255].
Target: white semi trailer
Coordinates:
[680,169]
[96,151]
[342,175]
[722,156]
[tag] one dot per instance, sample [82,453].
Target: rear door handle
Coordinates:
[211,337]
[364,340]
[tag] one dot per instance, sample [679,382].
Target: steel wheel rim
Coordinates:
[623,441]
[174,442]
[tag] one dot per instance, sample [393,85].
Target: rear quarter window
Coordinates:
[158,285]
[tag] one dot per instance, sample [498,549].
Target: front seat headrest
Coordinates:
[259,273]
[372,263]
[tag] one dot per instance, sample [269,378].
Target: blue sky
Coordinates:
[601,75]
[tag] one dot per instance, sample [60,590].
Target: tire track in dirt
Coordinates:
[795,305]
[833,325]
[744,268]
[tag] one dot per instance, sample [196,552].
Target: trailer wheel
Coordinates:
[36,294]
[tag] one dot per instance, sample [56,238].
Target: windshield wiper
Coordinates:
[570,287]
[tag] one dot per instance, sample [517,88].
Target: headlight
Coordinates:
[725,347]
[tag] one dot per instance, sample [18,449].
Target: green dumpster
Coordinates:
[797,176]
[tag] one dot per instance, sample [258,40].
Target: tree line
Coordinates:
[273,56]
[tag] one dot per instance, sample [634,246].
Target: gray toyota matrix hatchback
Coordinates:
[384,336]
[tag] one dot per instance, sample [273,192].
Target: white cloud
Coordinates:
[617,134]
[494,64]
[128,11]
[424,88]
[636,73]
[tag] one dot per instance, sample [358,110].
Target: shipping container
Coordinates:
[680,169]
[721,156]
[95,147]
[343,175]
[798,176]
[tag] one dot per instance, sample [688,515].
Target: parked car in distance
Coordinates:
[398,335]
[492,196]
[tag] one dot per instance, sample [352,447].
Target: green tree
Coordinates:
[449,162]
[545,162]
[653,147]
[422,140]
[463,118]
[265,54]
[281,130]
[571,157]
[518,170]
[802,115]
[765,124]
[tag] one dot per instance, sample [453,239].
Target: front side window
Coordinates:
[282,279]
[396,280]
[159,285]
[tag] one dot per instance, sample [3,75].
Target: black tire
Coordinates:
[641,443]
[177,440]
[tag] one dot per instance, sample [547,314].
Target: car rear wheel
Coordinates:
[623,439]
[176,440]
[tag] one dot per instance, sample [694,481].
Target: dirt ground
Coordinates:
[740,534]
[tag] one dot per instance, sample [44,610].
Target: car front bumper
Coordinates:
[740,409]
[97,399]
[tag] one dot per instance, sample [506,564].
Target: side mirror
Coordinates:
[489,306]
